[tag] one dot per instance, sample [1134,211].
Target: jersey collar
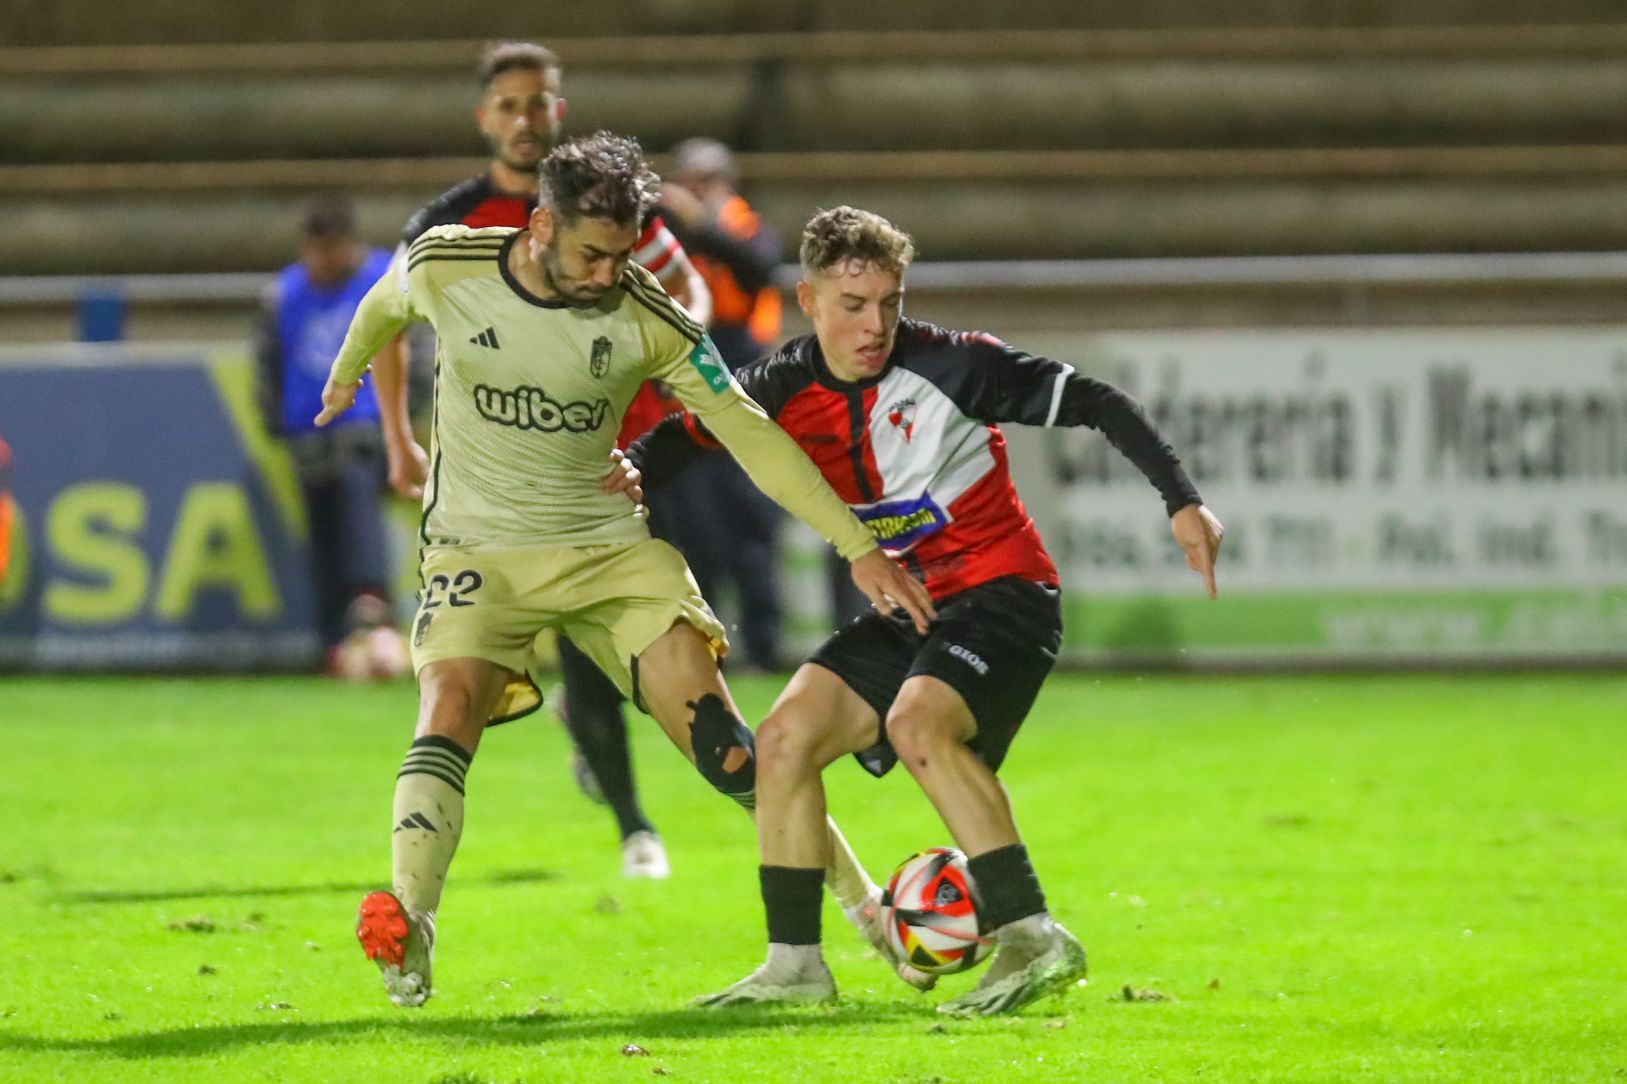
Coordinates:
[514,283]
[825,378]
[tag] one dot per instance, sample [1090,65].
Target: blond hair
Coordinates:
[847,233]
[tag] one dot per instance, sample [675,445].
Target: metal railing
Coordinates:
[838,47]
[1511,268]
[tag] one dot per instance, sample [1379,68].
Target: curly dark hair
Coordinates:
[601,176]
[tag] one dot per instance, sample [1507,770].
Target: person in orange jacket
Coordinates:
[731,533]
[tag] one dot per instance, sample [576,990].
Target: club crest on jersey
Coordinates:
[901,415]
[599,359]
[898,525]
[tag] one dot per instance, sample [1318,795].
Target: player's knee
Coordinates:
[786,747]
[724,751]
[916,736]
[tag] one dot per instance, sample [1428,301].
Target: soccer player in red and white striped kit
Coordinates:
[902,419]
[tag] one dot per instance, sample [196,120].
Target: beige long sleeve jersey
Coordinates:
[529,396]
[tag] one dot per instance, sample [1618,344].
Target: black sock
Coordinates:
[594,719]
[792,897]
[1005,885]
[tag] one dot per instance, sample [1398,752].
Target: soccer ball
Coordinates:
[929,909]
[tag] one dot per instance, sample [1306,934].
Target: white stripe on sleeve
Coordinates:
[1056,394]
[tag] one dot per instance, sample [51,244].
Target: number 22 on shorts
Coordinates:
[457,589]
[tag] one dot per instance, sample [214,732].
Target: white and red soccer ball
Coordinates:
[930,910]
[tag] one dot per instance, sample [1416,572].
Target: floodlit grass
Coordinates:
[1346,878]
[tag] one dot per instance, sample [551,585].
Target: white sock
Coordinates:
[786,959]
[1030,929]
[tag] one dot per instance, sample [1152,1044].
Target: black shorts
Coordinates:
[993,644]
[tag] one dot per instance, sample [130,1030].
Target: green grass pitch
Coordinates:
[1279,879]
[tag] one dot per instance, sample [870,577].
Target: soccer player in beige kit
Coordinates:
[545,335]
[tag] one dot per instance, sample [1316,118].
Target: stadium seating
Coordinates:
[1294,128]
[1120,143]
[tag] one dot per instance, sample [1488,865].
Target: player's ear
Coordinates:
[805,298]
[541,224]
[559,111]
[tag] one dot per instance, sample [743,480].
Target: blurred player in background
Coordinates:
[731,532]
[544,336]
[520,114]
[341,469]
[901,418]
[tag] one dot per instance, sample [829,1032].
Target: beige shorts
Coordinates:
[613,601]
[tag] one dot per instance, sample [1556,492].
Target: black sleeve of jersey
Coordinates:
[661,454]
[450,207]
[424,219]
[1004,384]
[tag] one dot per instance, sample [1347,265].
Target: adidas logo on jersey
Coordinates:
[486,338]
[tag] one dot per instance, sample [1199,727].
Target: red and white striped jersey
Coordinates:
[917,451]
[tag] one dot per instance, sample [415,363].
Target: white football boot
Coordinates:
[642,855]
[1036,956]
[793,974]
[866,917]
[401,943]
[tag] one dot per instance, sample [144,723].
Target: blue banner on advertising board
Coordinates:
[154,530]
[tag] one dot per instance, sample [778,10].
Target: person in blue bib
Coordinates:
[341,468]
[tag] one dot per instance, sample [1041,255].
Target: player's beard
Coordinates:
[525,161]
[520,160]
[572,291]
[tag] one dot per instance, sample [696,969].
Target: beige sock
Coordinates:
[848,881]
[428,820]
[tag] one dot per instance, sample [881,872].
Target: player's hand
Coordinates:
[1199,534]
[409,468]
[336,399]
[623,478]
[888,587]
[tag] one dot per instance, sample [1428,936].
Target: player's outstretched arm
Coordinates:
[407,464]
[775,465]
[1198,532]
[383,314]
[999,383]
